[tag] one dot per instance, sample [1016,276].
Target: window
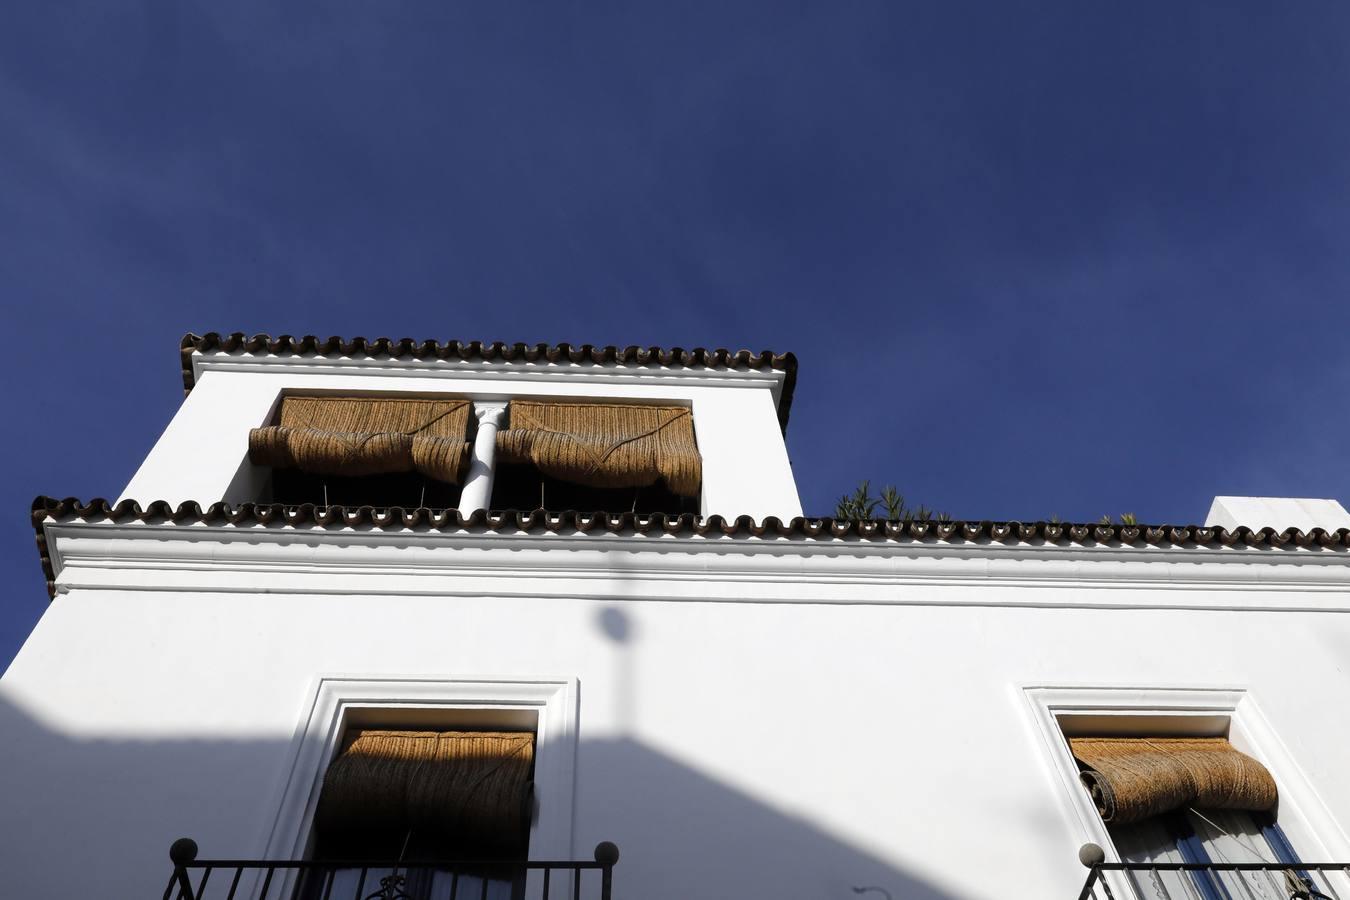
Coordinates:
[597,457]
[404,794]
[366,451]
[1184,825]
[1198,800]
[419,452]
[338,705]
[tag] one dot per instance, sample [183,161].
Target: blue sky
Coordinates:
[1052,258]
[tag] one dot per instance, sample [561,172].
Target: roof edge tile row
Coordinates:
[496,351]
[46,509]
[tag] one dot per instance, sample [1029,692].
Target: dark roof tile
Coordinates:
[263,344]
[573,522]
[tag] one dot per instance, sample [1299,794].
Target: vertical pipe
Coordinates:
[477,492]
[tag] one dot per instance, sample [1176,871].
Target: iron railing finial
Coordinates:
[182,852]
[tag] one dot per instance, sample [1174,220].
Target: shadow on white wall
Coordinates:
[84,812]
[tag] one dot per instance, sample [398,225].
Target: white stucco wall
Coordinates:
[203,453]
[756,717]
[869,733]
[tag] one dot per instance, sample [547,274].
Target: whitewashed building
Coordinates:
[300,635]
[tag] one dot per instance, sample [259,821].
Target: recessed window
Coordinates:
[441,807]
[366,451]
[597,457]
[1185,798]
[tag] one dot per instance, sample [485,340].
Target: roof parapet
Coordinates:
[1282,512]
[495,351]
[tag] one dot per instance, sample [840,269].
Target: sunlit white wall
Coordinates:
[729,748]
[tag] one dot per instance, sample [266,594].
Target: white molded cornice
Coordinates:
[199,557]
[565,372]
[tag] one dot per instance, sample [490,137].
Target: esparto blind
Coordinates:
[356,436]
[1132,778]
[470,786]
[605,445]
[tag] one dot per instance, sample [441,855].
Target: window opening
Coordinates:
[1168,800]
[442,813]
[597,457]
[366,451]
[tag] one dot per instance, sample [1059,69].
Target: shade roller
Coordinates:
[1132,778]
[355,436]
[605,445]
[468,786]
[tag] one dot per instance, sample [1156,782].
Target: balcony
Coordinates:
[1211,881]
[234,879]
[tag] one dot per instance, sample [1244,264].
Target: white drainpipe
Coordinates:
[477,493]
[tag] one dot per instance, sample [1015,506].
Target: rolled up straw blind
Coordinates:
[355,436]
[1131,778]
[470,786]
[606,445]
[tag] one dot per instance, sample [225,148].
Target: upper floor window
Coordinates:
[597,456]
[419,452]
[366,451]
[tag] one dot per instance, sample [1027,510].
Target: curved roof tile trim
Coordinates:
[573,522]
[496,351]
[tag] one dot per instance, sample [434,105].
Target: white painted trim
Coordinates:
[1303,815]
[333,697]
[258,559]
[483,370]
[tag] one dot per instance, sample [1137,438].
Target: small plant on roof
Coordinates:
[1123,519]
[861,504]
[858,505]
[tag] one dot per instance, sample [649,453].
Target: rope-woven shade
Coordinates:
[1133,778]
[605,445]
[356,436]
[467,786]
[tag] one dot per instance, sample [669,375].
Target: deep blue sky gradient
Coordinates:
[1051,258]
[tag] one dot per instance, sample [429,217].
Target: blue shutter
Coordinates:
[1193,851]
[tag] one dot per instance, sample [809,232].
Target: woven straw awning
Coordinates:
[605,445]
[356,436]
[1131,778]
[471,786]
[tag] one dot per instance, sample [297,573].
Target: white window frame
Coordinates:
[1307,821]
[333,698]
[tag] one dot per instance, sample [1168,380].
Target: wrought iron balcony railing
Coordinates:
[236,879]
[1212,881]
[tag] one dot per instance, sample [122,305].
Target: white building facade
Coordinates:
[748,703]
